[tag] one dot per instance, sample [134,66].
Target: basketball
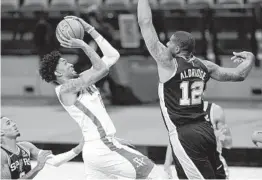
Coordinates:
[72,26]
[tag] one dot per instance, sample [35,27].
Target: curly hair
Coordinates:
[48,66]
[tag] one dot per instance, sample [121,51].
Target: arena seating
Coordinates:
[231,23]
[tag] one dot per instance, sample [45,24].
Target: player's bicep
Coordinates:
[221,73]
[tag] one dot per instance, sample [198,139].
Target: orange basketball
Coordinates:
[72,26]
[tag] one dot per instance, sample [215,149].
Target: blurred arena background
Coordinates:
[130,91]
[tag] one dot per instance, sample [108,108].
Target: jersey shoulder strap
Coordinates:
[8,154]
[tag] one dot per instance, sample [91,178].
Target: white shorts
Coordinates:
[108,159]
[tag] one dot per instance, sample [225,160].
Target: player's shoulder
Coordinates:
[25,144]
[4,157]
[216,107]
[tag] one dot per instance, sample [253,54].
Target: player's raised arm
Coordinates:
[88,77]
[222,129]
[159,52]
[232,74]
[111,55]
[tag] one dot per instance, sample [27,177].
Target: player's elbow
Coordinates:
[241,77]
[104,71]
[116,56]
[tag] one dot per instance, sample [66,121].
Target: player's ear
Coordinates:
[2,133]
[177,49]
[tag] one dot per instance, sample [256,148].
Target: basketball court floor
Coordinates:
[140,125]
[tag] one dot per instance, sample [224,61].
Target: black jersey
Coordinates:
[181,96]
[19,164]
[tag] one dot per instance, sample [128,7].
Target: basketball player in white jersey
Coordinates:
[257,137]
[103,155]
[215,114]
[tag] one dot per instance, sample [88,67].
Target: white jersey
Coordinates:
[208,107]
[90,114]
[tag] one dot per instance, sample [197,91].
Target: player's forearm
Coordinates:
[111,55]
[96,61]
[60,159]
[31,174]
[144,12]
[244,68]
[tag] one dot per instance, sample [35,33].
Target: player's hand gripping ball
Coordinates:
[69,26]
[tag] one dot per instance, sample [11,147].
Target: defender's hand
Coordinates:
[80,146]
[85,25]
[243,56]
[71,42]
[42,158]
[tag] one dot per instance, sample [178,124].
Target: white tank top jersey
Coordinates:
[90,114]
[211,118]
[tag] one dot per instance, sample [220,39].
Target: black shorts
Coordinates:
[194,151]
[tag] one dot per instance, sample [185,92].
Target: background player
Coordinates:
[257,137]
[15,156]
[182,79]
[103,155]
[215,114]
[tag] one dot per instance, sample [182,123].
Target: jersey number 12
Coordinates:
[196,89]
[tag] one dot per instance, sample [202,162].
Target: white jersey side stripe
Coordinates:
[187,164]
[98,124]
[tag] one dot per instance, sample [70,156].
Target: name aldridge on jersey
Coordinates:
[193,73]
[181,96]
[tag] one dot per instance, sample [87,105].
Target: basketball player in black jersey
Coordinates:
[15,156]
[216,116]
[182,79]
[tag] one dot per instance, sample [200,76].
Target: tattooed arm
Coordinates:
[88,77]
[159,52]
[232,74]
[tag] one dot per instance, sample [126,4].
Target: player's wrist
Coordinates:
[90,29]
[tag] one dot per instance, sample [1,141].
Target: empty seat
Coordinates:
[9,5]
[153,3]
[254,1]
[35,5]
[63,4]
[87,3]
[171,4]
[209,2]
[116,4]
[230,1]
[231,25]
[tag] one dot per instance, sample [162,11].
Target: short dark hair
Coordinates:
[185,41]
[48,66]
